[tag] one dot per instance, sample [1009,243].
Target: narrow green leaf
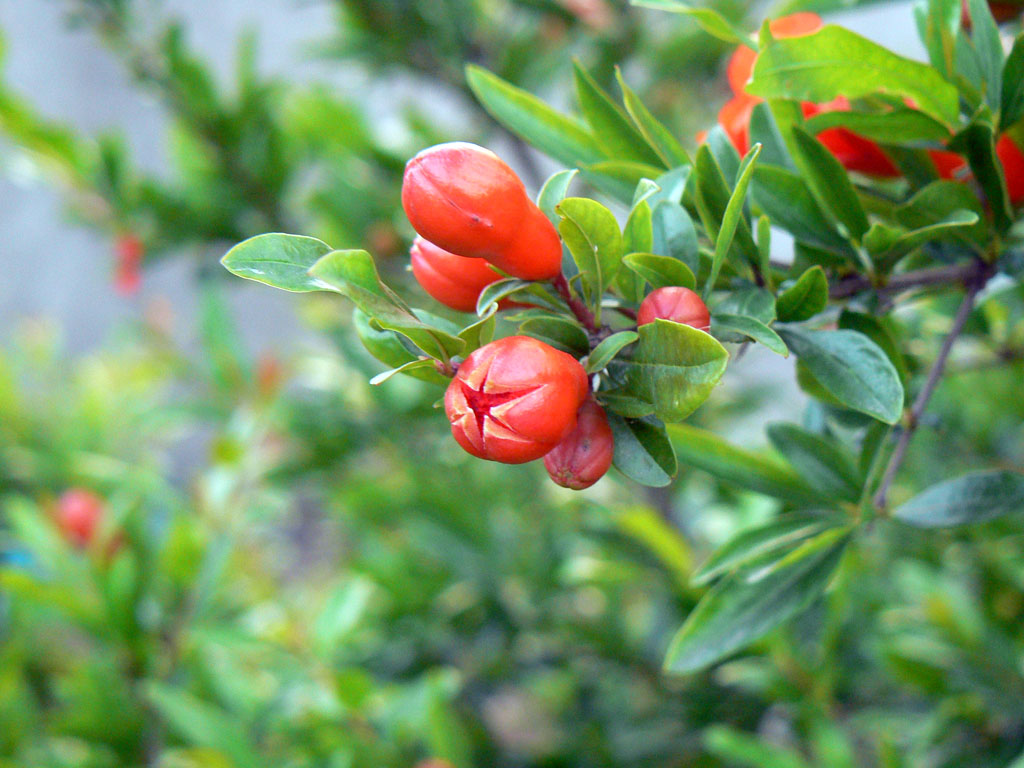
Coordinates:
[388,348]
[731,219]
[592,235]
[1012,107]
[707,451]
[829,183]
[609,124]
[936,203]
[710,20]
[409,367]
[972,498]
[754,543]
[354,275]
[657,135]
[787,200]
[825,464]
[563,138]
[276,259]
[899,125]
[736,612]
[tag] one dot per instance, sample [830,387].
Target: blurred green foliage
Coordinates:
[308,572]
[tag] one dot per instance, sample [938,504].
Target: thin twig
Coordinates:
[956,274]
[934,375]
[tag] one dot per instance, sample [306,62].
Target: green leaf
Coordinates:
[353,274]
[642,451]
[736,611]
[788,202]
[1012,107]
[972,498]
[609,124]
[481,332]
[707,451]
[606,351]
[735,748]
[750,327]
[889,244]
[674,234]
[851,368]
[829,182]
[627,406]
[765,131]
[202,724]
[732,217]
[754,302]
[282,261]
[498,290]
[710,20]
[675,368]
[563,138]
[837,62]
[592,235]
[987,47]
[712,199]
[875,329]
[938,22]
[936,203]
[407,368]
[553,192]
[657,135]
[560,332]
[978,143]
[820,460]
[900,125]
[756,542]
[386,347]
[660,271]
[638,236]
[805,298]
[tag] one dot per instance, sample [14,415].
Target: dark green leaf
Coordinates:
[973,498]
[936,203]
[751,328]
[851,368]
[609,125]
[559,332]
[820,460]
[785,197]
[732,217]
[642,451]
[674,234]
[705,450]
[829,182]
[805,298]
[1012,107]
[737,612]
[895,126]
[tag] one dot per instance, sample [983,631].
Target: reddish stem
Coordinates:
[579,309]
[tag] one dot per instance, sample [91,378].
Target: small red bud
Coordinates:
[128,253]
[681,305]
[78,516]
[583,457]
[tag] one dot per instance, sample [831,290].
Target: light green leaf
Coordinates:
[732,217]
[660,271]
[282,261]
[710,20]
[675,368]
[592,235]
[609,124]
[749,327]
[606,351]
[837,62]
[563,138]
[553,192]
[657,135]
[805,298]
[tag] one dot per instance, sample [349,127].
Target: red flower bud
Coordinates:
[854,152]
[948,164]
[128,253]
[455,281]
[675,303]
[466,200]
[582,458]
[78,516]
[515,399]
[1013,167]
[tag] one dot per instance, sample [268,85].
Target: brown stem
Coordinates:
[958,273]
[578,308]
[630,313]
[934,375]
